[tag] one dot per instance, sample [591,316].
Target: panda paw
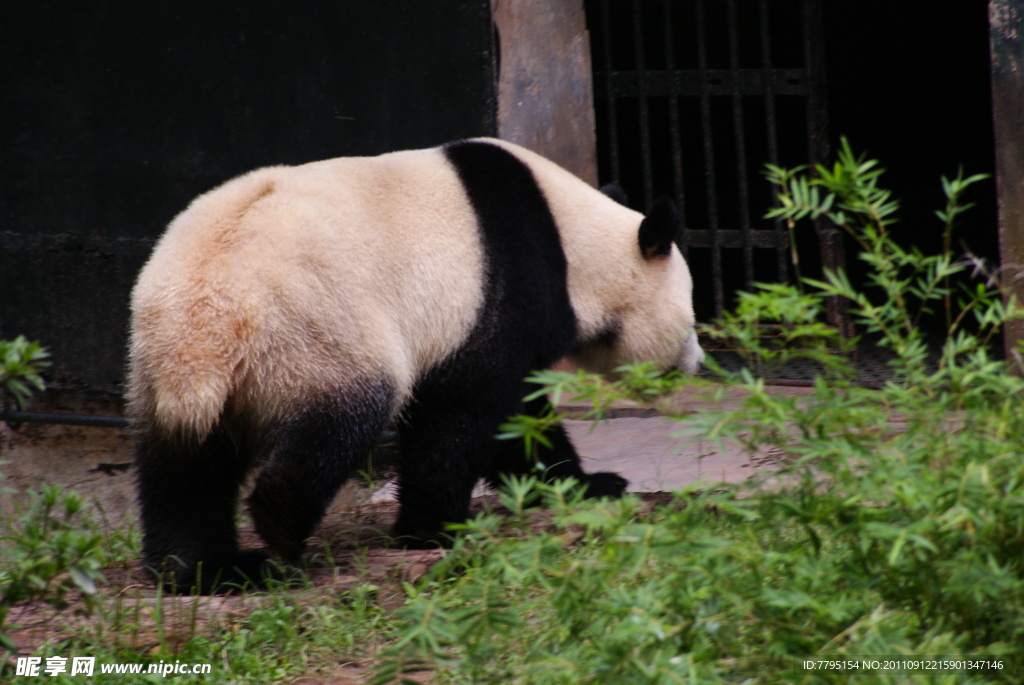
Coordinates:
[418,537]
[604,484]
[246,569]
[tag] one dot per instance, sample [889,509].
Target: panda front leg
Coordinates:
[445,447]
[555,462]
[309,457]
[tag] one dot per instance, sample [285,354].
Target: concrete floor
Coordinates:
[652,455]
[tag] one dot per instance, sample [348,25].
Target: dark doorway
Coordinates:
[909,83]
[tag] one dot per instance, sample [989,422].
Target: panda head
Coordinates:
[628,284]
[644,293]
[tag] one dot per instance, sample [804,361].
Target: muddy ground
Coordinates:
[350,550]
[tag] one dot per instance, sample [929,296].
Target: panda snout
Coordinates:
[693,355]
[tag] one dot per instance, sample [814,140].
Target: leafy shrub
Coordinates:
[21,362]
[897,530]
[49,552]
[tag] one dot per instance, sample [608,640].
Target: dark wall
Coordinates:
[114,115]
[909,83]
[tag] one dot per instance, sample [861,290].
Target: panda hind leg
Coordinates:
[188,492]
[559,461]
[309,457]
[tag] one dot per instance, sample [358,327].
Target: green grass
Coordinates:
[278,636]
[902,557]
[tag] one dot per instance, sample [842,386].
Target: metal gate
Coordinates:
[692,98]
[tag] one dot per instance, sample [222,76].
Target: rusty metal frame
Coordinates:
[1006,36]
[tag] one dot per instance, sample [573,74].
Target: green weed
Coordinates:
[21,363]
[49,552]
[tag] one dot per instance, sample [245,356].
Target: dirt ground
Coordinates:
[354,541]
[349,551]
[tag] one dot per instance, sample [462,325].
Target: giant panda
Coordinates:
[286,318]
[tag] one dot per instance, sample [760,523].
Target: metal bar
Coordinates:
[741,152]
[675,135]
[734,238]
[830,239]
[627,83]
[781,257]
[12,417]
[642,103]
[812,26]
[610,95]
[114,245]
[709,163]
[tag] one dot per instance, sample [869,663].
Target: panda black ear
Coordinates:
[659,229]
[615,192]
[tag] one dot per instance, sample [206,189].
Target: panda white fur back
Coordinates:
[287,316]
[324,254]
